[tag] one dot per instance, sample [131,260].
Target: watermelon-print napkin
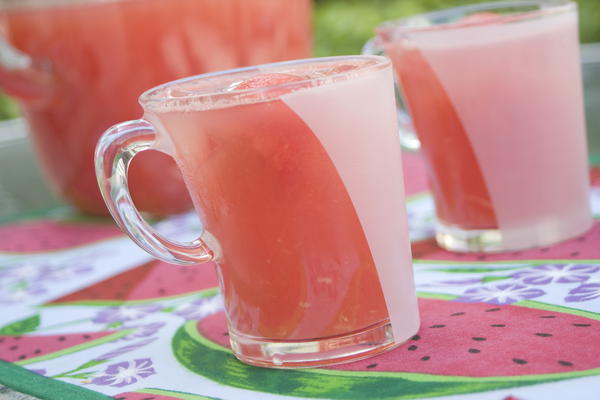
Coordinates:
[85,314]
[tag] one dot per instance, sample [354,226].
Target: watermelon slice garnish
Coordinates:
[461,348]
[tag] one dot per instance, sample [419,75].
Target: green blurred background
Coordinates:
[343,26]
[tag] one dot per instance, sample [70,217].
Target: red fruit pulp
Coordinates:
[461,195]
[295,262]
[264,80]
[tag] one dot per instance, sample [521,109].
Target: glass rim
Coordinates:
[550,6]
[148,99]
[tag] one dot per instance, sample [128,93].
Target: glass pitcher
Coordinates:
[77,67]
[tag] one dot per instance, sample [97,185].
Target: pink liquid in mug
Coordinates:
[94,58]
[311,241]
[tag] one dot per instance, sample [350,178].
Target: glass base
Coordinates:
[540,234]
[469,241]
[354,346]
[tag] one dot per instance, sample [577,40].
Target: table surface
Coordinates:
[22,186]
[84,313]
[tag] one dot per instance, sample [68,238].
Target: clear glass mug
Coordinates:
[77,67]
[495,95]
[295,171]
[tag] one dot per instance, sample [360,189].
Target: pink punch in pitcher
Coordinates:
[78,66]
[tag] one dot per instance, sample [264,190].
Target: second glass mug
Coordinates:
[495,96]
[77,67]
[295,171]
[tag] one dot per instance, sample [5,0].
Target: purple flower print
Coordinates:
[143,330]
[26,272]
[18,294]
[546,274]
[125,349]
[38,371]
[125,313]
[64,272]
[585,292]
[125,373]
[501,294]
[200,308]
[32,272]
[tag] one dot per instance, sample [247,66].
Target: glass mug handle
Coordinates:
[114,152]
[408,137]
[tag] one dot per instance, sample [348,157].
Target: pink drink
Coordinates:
[497,104]
[93,58]
[295,171]
[295,194]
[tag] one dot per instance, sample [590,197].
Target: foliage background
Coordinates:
[343,26]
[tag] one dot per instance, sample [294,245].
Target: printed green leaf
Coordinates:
[86,365]
[90,364]
[20,327]
[83,375]
[493,278]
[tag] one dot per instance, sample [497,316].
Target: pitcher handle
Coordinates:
[114,152]
[408,137]
[22,76]
[12,59]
